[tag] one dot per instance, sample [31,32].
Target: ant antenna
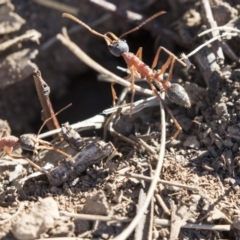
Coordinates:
[143,23]
[69,105]
[67,15]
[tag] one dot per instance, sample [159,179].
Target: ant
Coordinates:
[29,142]
[119,47]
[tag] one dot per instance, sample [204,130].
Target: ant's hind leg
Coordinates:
[179,129]
[170,54]
[171,70]
[114,94]
[165,65]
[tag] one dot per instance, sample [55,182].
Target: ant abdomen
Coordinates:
[27,141]
[177,94]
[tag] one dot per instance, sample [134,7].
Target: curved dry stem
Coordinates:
[209,41]
[219,28]
[126,232]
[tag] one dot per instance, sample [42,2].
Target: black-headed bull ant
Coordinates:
[119,47]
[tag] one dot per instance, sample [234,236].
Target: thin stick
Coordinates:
[96,122]
[138,176]
[146,146]
[57,6]
[212,227]
[127,231]
[31,35]
[43,92]
[218,28]
[207,14]
[162,204]
[210,41]
[94,217]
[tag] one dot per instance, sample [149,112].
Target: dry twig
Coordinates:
[127,231]
[208,16]
[57,6]
[43,91]
[138,176]
[32,35]
[212,227]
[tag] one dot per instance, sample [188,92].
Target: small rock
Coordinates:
[186,123]
[97,204]
[236,222]
[192,142]
[228,142]
[81,226]
[221,109]
[16,173]
[218,143]
[39,220]
[4,216]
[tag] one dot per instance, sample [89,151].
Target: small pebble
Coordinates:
[192,142]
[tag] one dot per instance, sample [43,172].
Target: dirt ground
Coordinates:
[99,183]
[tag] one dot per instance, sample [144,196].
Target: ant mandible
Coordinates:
[119,47]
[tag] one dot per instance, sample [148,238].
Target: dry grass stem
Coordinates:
[128,230]
[137,176]
[211,227]
[57,6]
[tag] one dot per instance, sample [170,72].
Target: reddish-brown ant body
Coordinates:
[138,68]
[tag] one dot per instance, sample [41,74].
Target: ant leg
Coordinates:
[55,149]
[114,95]
[165,66]
[170,55]
[132,87]
[179,129]
[134,73]
[171,70]
[4,133]
[30,162]
[8,150]
[139,53]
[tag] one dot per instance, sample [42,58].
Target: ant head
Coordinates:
[116,48]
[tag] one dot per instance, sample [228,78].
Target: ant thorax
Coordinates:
[118,47]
